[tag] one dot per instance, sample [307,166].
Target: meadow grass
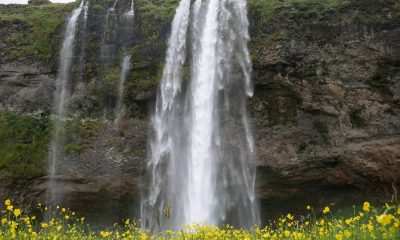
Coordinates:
[368,223]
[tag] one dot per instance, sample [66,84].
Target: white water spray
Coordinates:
[111,23]
[125,68]
[62,93]
[131,13]
[202,148]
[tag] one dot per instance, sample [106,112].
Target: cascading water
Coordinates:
[202,147]
[83,39]
[125,67]
[109,35]
[131,13]
[61,98]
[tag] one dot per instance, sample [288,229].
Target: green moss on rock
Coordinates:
[23,146]
[40,24]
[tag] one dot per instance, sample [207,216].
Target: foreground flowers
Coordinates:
[368,223]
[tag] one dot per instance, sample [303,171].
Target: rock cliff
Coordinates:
[326,109]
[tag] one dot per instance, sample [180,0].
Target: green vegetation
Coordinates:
[162,9]
[267,7]
[365,223]
[39,24]
[24,143]
[80,133]
[23,146]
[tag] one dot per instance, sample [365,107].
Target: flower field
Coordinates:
[368,223]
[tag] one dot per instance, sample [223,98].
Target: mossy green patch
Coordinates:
[79,133]
[162,9]
[40,23]
[267,7]
[23,146]
[84,129]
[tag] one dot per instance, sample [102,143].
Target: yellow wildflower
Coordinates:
[308,207]
[13,224]
[326,210]
[339,237]
[7,202]
[290,216]
[370,227]
[287,233]
[3,221]
[44,225]
[17,212]
[63,209]
[347,233]
[366,206]
[105,234]
[384,219]
[10,207]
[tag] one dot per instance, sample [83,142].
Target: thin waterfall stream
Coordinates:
[125,67]
[201,147]
[62,95]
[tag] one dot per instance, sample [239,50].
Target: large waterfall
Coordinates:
[62,93]
[201,146]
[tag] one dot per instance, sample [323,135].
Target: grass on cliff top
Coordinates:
[39,24]
[162,9]
[267,7]
[368,223]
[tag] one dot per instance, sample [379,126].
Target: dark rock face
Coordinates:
[326,113]
[326,110]
[25,92]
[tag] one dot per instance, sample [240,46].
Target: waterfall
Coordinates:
[131,13]
[125,64]
[166,141]
[109,36]
[61,98]
[201,147]
[83,39]
[125,67]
